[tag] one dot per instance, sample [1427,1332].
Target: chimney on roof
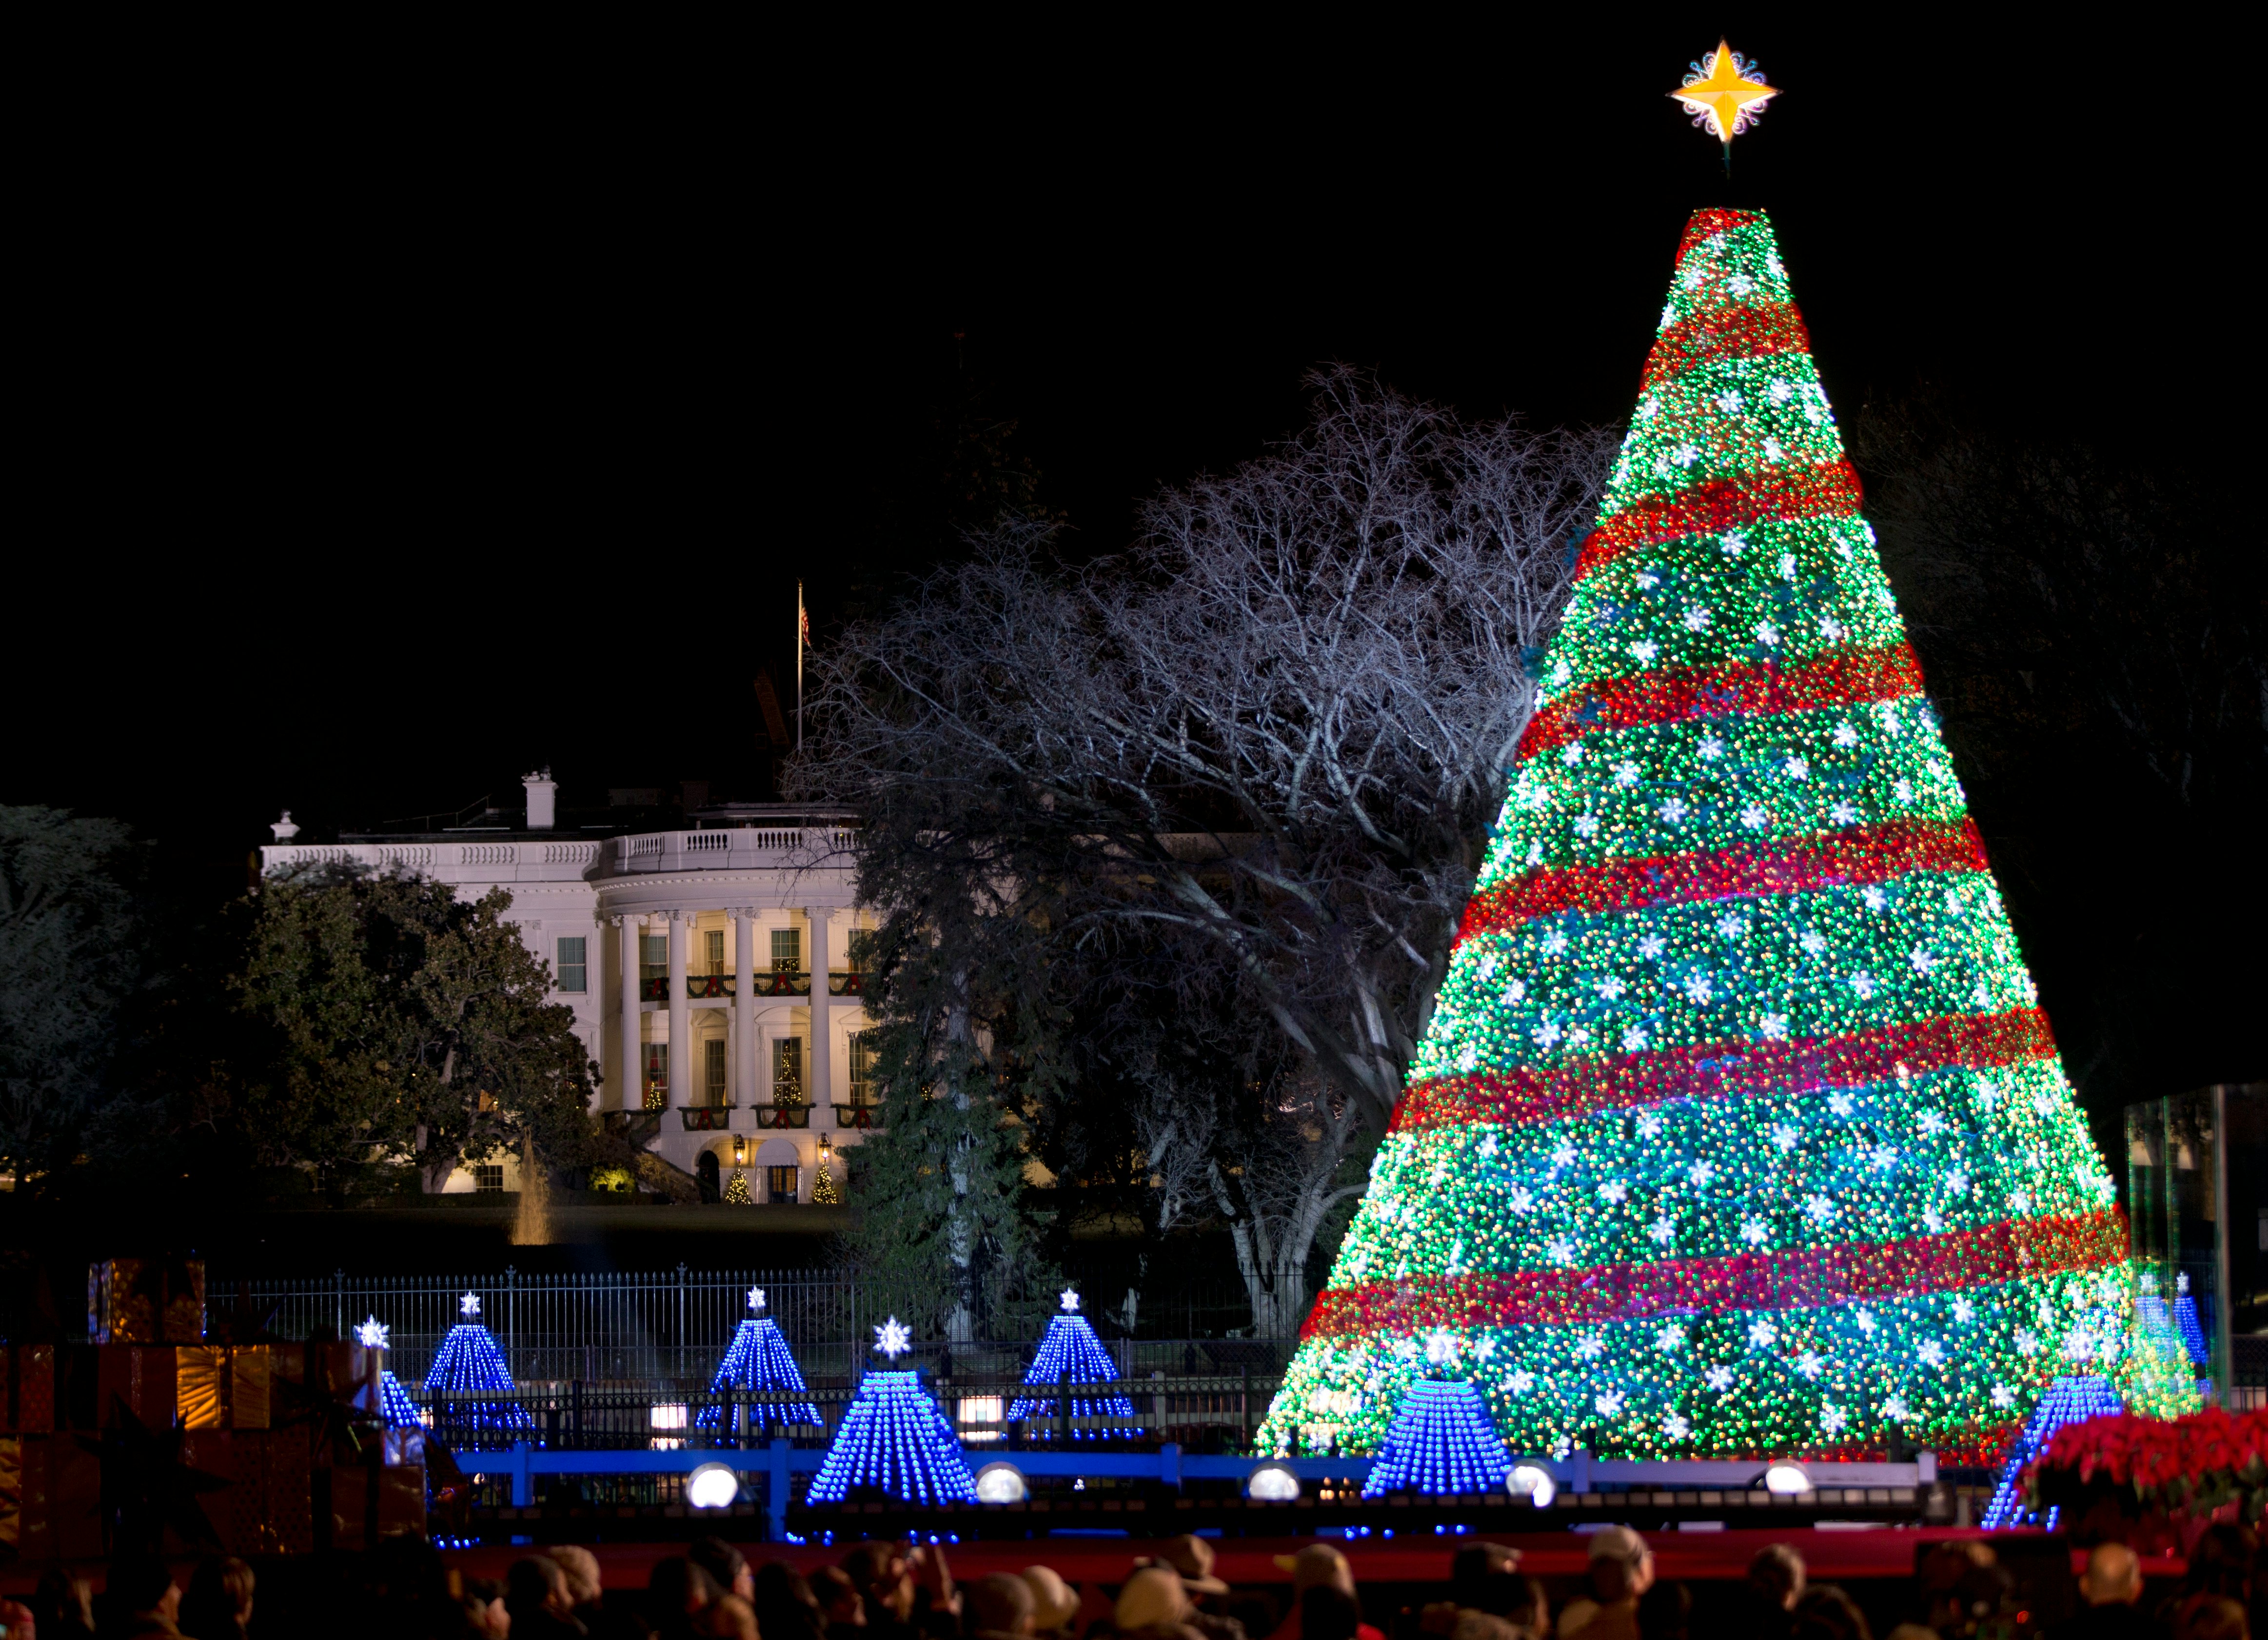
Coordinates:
[284,829]
[543,799]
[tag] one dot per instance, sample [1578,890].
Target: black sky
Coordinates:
[387,435]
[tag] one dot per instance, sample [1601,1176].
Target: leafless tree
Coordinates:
[1254,756]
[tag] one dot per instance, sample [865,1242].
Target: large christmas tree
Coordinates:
[1737,1129]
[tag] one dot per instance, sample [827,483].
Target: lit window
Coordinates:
[713,1069]
[488,1178]
[862,1068]
[715,941]
[657,1074]
[573,970]
[787,1070]
[787,950]
[653,956]
[781,1183]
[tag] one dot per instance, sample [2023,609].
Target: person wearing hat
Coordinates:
[1621,1569]
[1153,1606]
[1055,1603]
[1192,1557]
[1316,1564]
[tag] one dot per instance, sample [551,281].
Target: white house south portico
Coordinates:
[713,970]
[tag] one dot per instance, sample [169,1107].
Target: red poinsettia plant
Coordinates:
[2206,1465]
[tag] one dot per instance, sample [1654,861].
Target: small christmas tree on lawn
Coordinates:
[736,1190]
[894,1438]
[393,1402]
[1737,1129]
[824,1191]
[469,1371]
[1069,1352]
[1442,1442]
[759,1361]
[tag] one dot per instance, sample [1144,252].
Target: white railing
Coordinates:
[748,846]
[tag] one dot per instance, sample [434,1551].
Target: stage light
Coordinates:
[1272,1483]
[712,1486]
[1533,1483]
[1001,1483]
[1787,1480]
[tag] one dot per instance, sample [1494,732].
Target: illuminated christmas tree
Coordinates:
[894,1439]
[759,1361]
[1442,1442]
[736,1190]
[469,1370]
[393,1402]
[824,1191]
[1070,1351]
[1737,1128]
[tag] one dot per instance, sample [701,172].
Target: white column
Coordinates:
[820,1080]
[744,1007]
[633,1053]
[681,1017]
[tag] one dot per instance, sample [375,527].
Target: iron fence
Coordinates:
[667,1330]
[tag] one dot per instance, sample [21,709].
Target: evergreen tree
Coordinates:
[1737,1128]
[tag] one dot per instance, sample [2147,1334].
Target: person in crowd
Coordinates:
[730,1618]
[483,1598]
[726,1566]
[1621,1570]
[907,1594]
[1055,1603]
[2222,1562]
[587,1587]
[1192,1558]
[838,1599]
[1327,1612]
[1317,1563]
[998,1606]
[1153,1606]
[2209,1616]
[143,1596]
[785,1608]
[677,1593]
[1484,1583]
[1665,1612]
[2111,1588]
[218,1603]
[17,1621]
[63,1604]
[541,1604]
[1766,1604]
[1823,1612]
[1963,1586]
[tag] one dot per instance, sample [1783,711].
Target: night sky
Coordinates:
[377,458]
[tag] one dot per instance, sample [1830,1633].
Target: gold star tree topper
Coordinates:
[1720,94]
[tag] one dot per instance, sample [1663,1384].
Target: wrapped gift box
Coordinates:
[146,1301]
[224,1386]
[27,1396]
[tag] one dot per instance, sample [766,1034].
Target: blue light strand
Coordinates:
[393,1402]
[894,1437]
[2192,1329]
[1070,1349]
[2066,1400]
[760,1360]
[1442,1442]
[468,1363]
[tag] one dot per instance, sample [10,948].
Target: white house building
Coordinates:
[714,971]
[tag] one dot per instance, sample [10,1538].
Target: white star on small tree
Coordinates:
[892,1338]
[1070,1300]
[372,1334]
[756,1299]
[469,1305]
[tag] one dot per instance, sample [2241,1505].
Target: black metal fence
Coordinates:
[664,1330]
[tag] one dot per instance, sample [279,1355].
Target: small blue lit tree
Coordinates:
[1442,1440]
[2066,1400]
[470,1370]
[894,1438]
[1069,1352]
[759,1360]
[393,1403]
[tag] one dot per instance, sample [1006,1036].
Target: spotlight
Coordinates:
[1533,1483]
[1787,1480]
[1001,1483]
[712,1486]
[1272,1483]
